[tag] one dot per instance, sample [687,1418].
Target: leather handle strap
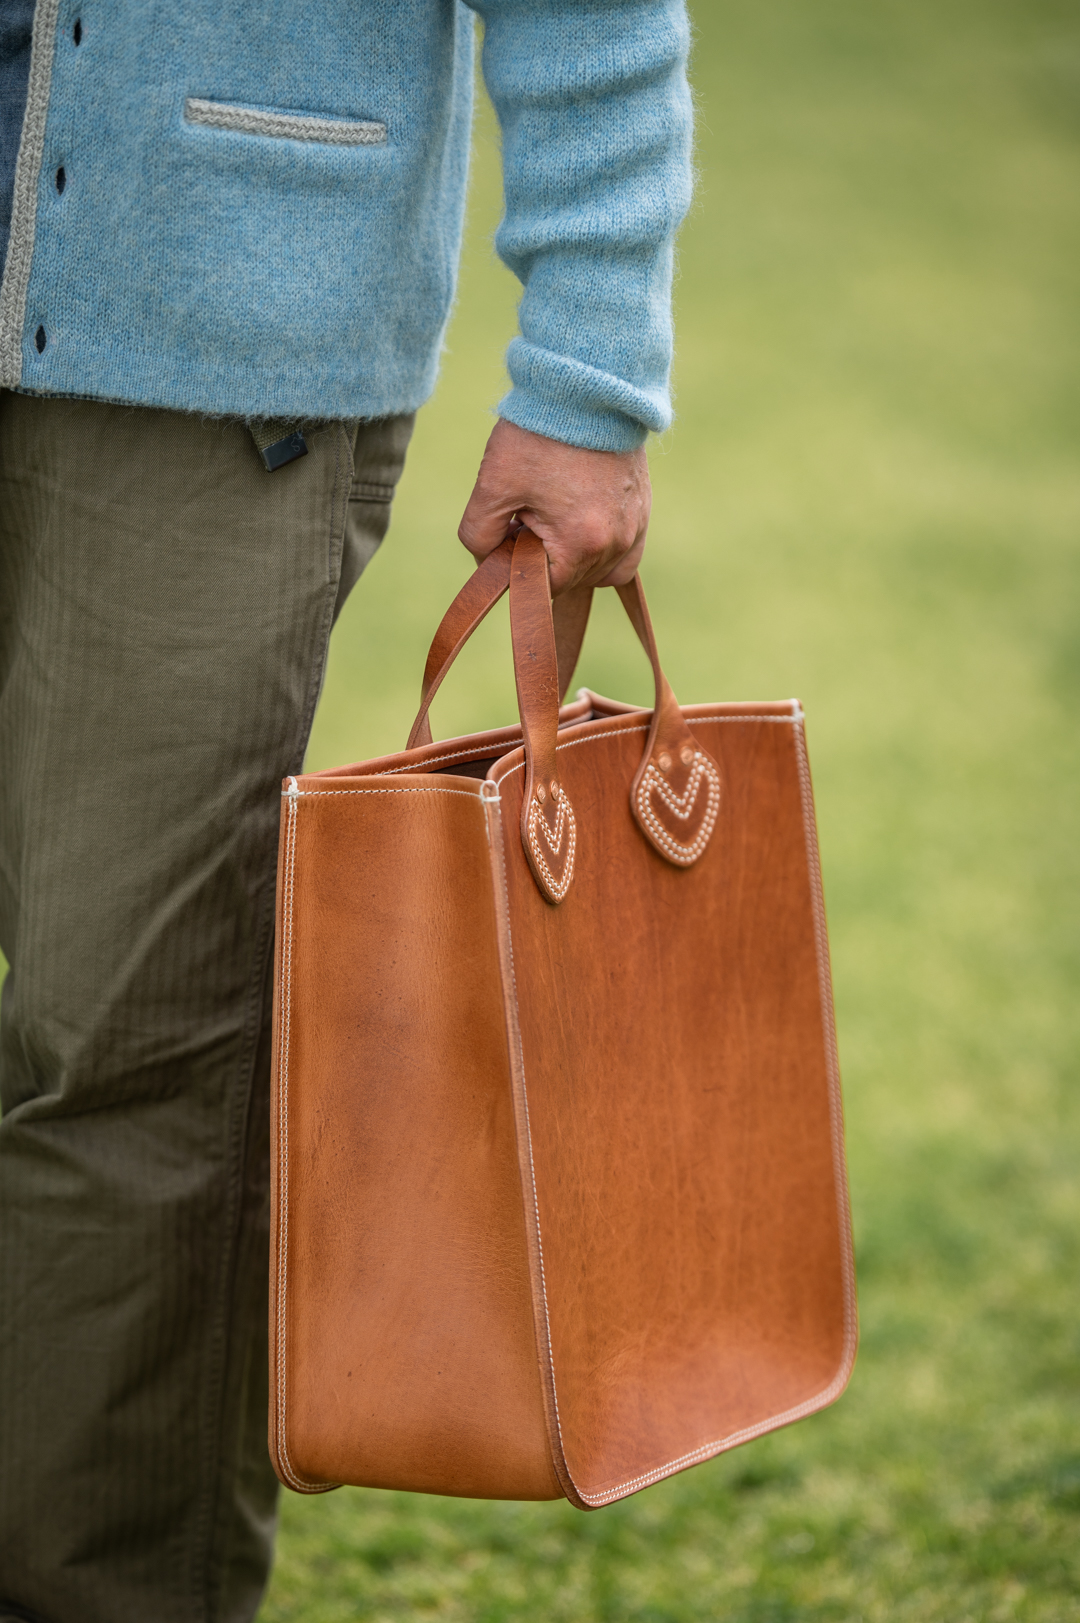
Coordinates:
[473,604]
[675,794]
[668,729]
[548,829]
[571,612]
[479,595]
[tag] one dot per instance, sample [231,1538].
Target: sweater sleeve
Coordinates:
[596,124]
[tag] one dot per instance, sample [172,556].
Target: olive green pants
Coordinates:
[165,605]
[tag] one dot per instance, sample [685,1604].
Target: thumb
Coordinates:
[484,524]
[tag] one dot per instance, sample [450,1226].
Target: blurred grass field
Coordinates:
[870,499]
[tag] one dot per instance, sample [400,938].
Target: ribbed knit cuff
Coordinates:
[567,400]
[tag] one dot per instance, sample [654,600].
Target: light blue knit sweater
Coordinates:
[253,207]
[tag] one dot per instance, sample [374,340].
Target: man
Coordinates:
[233,237]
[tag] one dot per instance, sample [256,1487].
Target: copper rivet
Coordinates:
[541,793]
[686,755]
[554,789]
[664,762]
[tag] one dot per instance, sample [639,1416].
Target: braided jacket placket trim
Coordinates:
[24,202]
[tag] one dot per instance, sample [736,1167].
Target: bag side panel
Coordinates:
[405,1352]
[278,1448]
[676,1054]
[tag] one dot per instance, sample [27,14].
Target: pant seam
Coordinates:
[209,1583]
[336,544]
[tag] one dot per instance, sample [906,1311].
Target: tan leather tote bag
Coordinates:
[559,1202]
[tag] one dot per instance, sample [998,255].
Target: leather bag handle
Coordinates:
[548,826]
[675,794]
[479,595]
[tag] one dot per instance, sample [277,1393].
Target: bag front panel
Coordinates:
[683,1111]
[402,1324]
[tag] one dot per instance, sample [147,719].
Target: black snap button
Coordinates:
[76,32]
[61,179]
[40,340]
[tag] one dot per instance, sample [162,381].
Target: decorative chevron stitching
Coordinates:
[681,806]
[565,827]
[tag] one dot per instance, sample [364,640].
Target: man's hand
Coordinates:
[589,508]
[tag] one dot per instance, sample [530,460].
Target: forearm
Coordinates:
[596,123]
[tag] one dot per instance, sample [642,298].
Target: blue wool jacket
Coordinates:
[254,207]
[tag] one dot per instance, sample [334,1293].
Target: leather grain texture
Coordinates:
[676,1059]
[403,1345]
[560,1203]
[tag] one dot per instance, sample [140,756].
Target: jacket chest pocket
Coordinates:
[341,132]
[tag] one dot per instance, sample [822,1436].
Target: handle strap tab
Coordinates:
[675,795]
[548,826]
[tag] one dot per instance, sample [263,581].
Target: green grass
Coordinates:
[871,500]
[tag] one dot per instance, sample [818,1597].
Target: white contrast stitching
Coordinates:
[681,806]
[528,1145]
[572,743]
[20,252]
[419,789]
[653,781]
[477,753]
[558,888]
[704,721]
[283,1144]
[811,1405]
[832,1058]
[340,132]
[691,721]
[481,750]
[301,1484]
[283,1126]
